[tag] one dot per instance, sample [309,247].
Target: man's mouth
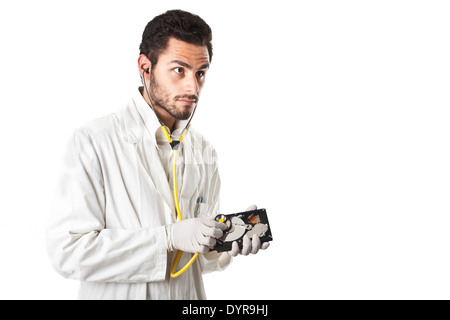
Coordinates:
[190,101]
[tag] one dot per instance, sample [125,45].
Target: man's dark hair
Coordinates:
[181,25]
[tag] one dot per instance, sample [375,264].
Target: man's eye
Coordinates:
[200,74]
[178,70]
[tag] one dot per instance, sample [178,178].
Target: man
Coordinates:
[115,226]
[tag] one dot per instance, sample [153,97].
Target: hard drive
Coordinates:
[241,224]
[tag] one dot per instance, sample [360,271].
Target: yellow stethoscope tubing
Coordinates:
[174,274]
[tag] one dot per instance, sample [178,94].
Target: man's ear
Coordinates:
[144,64]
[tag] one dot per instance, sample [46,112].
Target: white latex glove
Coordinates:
[194,235]
[248,246]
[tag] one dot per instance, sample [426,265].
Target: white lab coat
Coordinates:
[114,198]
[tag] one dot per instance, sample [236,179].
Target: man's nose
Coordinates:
[191,85]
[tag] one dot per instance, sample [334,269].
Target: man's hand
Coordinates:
[194,235]
[248,245]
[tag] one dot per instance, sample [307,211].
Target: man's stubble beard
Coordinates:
[161,99]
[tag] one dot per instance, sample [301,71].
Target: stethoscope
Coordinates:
[175,145]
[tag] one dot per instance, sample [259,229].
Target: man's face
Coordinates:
[178,77]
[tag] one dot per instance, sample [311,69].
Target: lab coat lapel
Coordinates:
[145,146]
[151,161]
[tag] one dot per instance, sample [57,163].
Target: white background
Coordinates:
[333,115]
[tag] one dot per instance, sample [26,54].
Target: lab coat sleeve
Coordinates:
[79,244]
[214,261]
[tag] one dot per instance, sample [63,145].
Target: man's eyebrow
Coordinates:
[184,64]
